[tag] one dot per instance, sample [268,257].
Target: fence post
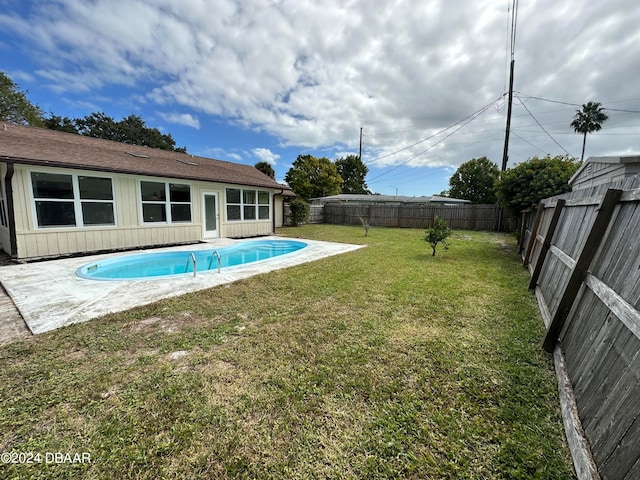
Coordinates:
[579,270]
[523,231]
[534,234]
[547,243]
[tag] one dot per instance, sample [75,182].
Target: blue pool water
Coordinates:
[161,264]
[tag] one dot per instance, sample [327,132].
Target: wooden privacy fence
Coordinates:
[583,252]
[458,217]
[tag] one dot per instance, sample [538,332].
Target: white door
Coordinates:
[211,215]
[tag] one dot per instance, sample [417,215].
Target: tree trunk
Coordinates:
[584,142]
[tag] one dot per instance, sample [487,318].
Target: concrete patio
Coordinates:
[49,295]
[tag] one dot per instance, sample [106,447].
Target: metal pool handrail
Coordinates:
[217,255]
[191,257]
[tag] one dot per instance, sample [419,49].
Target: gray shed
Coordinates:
[598,170]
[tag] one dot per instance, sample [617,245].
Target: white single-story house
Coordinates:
[599,170]
[65,194]
[356,199]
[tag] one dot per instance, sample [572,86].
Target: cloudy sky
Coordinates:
[254,80]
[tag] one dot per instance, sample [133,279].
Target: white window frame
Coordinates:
[77,201]
[166,203]
[242,205]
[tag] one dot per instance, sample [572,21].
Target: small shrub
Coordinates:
[365,224]
[437,234]
[299,211]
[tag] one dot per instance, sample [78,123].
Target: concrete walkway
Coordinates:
[49,295]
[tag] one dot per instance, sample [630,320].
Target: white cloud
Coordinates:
[312,72]
[265,155]
[181,119]
[233,156]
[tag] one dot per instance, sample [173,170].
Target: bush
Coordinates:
[299,211]
[437,234]
[523,186]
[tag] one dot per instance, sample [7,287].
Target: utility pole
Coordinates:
[514,19]
[505,154]
[360,153]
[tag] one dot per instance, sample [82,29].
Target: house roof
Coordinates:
[349,197]
[39,146]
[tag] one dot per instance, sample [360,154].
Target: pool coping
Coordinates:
[49,295]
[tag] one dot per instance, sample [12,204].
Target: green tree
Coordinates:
[353,172]
[523,186]
[61,124]
[474,180]
[15,107]
[266,168]
[437,234]
[587,120]
[311,177]
[132,130]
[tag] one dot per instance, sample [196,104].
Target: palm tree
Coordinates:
[587,120]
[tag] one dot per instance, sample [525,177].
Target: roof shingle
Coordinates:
[39,146]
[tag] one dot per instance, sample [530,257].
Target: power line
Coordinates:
[621,110]
[506,51]
[540,125]
[474,115]
[548,100]
[528,142]
[514,22]
[579,105]
[599,134]
[468,120]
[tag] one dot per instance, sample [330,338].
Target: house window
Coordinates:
[70,200]
[96,198]
[165,202]
[248,205]
[263,205]
[233,204]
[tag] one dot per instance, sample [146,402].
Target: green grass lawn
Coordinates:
[384,362]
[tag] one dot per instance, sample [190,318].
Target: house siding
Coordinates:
[129,231]
[279,212]
[248,229]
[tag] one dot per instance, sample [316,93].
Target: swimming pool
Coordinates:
[162,264]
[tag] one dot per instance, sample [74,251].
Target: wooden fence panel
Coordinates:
[410,216]
[316,214]
[582,332]
[591,278]
[354,213]
[620,263]
[547,214]
[333,214]
[529,228]
[458,217]
[384,216]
